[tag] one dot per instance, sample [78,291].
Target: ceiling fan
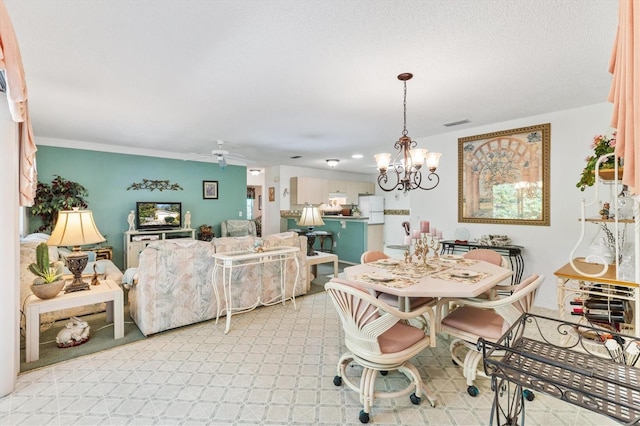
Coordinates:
[221,155]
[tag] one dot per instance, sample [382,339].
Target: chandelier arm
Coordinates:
[431,177]
[383,180]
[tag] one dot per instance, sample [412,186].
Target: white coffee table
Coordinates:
[314,261]
[108,291]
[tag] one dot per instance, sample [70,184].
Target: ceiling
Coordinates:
[315,79]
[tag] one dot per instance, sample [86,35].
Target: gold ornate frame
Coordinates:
[504,177]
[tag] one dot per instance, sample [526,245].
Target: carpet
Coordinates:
[102,332]
[101,338]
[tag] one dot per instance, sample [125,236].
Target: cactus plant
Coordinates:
[47,272]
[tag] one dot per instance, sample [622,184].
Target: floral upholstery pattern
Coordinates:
[174,286]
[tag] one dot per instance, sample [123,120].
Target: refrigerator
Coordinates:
[372,206]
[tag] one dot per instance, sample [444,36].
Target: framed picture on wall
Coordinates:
[272,193]
[259,202]
[503,177]
[210,189]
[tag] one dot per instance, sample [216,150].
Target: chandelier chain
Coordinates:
[404,104]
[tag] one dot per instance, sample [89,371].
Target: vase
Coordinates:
[47,290]
[609,174]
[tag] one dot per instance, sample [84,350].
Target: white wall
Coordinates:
[547,248]
[9,252]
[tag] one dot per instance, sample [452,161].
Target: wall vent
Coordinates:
[457,123]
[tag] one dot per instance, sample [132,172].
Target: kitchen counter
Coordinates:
[287,214]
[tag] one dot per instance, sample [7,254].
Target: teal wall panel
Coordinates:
[107,177]
[351,241]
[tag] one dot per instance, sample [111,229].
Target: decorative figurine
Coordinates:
[604,213]
[132,220]
[94,278]
[187,220]
[74,333]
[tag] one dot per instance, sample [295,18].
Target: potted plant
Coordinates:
[48,282]
[61,194]
[601,145]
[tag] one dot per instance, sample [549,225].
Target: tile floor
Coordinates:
[275,367]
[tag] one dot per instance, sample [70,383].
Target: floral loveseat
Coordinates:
[173,285]
[106,269]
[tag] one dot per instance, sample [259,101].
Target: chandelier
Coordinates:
[404,173]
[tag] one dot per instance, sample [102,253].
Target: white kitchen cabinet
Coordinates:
[306,190]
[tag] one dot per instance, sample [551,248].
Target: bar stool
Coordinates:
[323,235]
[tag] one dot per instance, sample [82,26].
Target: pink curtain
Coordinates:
[11,62]
[625,91]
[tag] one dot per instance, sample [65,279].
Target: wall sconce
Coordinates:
[285,192]
[332,162]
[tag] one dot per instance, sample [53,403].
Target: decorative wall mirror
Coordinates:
[503,177]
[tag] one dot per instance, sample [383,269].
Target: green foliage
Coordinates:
[61,194]
[42,268]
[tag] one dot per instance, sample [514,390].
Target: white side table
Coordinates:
[314,261]
[108,291]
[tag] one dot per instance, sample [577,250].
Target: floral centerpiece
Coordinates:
[601,145]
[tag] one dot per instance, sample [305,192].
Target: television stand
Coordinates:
[136,241]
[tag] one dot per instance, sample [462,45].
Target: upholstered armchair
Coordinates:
[238,228]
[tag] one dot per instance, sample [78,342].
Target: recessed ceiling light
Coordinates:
[356,156]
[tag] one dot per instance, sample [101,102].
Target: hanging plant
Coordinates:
[601,145]
[60,194]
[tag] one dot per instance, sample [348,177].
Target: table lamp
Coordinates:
[75,228]
[310,217]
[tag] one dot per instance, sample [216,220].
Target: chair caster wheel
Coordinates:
[384,372]
[415,400]
[364,417]
[473,391]
[337,381]
[528,395]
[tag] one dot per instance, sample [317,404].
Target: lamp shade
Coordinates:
[310,217]
[75,228]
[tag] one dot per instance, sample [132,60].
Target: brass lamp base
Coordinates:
[76,262]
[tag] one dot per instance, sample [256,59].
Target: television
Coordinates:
[152,215]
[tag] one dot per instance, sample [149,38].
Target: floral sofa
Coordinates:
[105,268]
[173,282]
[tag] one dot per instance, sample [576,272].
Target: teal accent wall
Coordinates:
[107,177]
[351,241]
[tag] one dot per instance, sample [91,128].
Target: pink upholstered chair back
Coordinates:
[486,255]
[372,256]
[524,304]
